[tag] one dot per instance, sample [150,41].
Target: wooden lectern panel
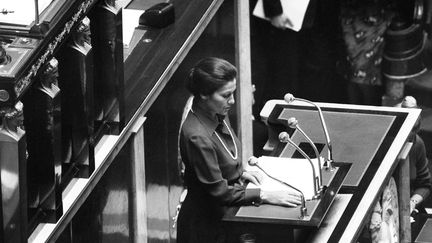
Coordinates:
[356,136]
[369,137]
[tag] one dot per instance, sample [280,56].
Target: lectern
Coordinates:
[372,139]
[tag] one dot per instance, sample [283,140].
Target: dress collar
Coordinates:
[210,121]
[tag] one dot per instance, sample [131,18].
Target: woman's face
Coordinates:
[222,99]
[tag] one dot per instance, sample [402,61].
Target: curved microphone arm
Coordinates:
[253,161]
[285,139]
[289,98]
[316,153]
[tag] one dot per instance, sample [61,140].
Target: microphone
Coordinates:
[290,98]
[253,161]
[284,138]
[293,123]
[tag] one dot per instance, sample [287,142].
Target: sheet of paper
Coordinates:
[18,14]
[130,22]
[295,172]
[295,10]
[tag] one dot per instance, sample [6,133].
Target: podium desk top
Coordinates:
[357,137]
[316,209]
[361,135]
[372,138]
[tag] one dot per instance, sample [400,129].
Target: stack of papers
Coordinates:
[296,172]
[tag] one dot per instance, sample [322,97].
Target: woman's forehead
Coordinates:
[229,86]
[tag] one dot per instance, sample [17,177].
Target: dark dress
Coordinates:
[419,171]
[212,178]
[363,26]
[420,182]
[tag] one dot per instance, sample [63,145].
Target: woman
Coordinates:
[214,175]
[420,176]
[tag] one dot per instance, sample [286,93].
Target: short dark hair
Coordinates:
[210,74]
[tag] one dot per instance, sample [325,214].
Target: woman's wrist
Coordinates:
[263,196]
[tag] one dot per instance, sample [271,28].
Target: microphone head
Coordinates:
[284,137]
[289,98]
[252,161]
[292,122]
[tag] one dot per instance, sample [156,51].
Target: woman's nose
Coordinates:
[231,100]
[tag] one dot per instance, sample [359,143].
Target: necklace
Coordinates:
[222,142]
[224,145]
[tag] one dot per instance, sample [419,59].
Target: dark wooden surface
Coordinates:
[151,64]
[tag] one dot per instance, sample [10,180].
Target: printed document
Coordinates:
[295,10]
[295,172]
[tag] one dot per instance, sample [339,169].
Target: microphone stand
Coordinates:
[284,137]
[293,123]
[303,208]
[289,98]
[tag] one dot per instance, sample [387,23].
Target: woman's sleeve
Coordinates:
[422,184]
[202,157]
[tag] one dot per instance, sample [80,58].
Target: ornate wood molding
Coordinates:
[24,82]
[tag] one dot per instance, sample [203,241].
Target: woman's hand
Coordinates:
[415,200]
[289,197]
[252,176]
[281,21]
